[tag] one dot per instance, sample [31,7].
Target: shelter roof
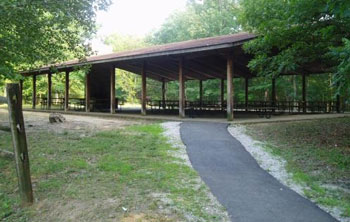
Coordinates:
[209,51]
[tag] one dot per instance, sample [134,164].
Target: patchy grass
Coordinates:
[97,178]
[317,154]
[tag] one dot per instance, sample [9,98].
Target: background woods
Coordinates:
[293,37]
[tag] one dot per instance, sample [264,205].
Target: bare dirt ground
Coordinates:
[85,124]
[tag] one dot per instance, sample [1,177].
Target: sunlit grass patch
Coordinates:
[102,174]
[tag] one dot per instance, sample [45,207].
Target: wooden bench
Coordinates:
[265,111]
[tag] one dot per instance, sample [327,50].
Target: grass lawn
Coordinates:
[317,154]
[115,175]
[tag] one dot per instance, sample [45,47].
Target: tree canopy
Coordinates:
[298,36]
[291,34]
[200,19]
[36,32]
[294,36]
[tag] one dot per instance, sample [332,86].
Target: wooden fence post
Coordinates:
[19,143]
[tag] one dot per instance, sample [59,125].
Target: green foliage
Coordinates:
[198,20]
[294,36]
[76,86]
[121,43]
[128,85]
[341,56]
[35,33]
[211,18]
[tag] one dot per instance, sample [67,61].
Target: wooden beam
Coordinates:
[189,72]
[205,69]
[21,91]
[66,93]
[137,70]
[49,90]
[273,93]
[181,89]
[304,92]
[216,65]
[338,100]
[200,93]
[246,93]
[163,53]
[19,144]
[211,70]
[112,89]
[338,103]
[198,74]
[222,93]
[229,98]
[34,92]
[162,70]
[144,89]
[163,94]
[273,90]
[87,92]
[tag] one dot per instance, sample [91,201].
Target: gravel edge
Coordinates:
[276,166]
[172,132]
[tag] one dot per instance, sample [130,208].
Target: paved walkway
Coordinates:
[248,192]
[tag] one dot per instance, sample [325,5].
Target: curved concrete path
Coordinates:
[248,192]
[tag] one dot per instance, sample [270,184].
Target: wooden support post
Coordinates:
[246,93]
[222,93]
[338,103]
[200,94]
[304,93]
[21,91]
[229,98]
[66,93]
[163,94]
[34,92]
[273,93]
[181,89]
[87,92]
[19,144]
[49,90]
[112,89]
[144,89]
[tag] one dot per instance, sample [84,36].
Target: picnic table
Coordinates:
[265,111]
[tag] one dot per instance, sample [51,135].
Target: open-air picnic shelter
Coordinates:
[219,57]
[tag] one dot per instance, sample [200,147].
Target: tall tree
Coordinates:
[36,32]
[296,36]
[200,19]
